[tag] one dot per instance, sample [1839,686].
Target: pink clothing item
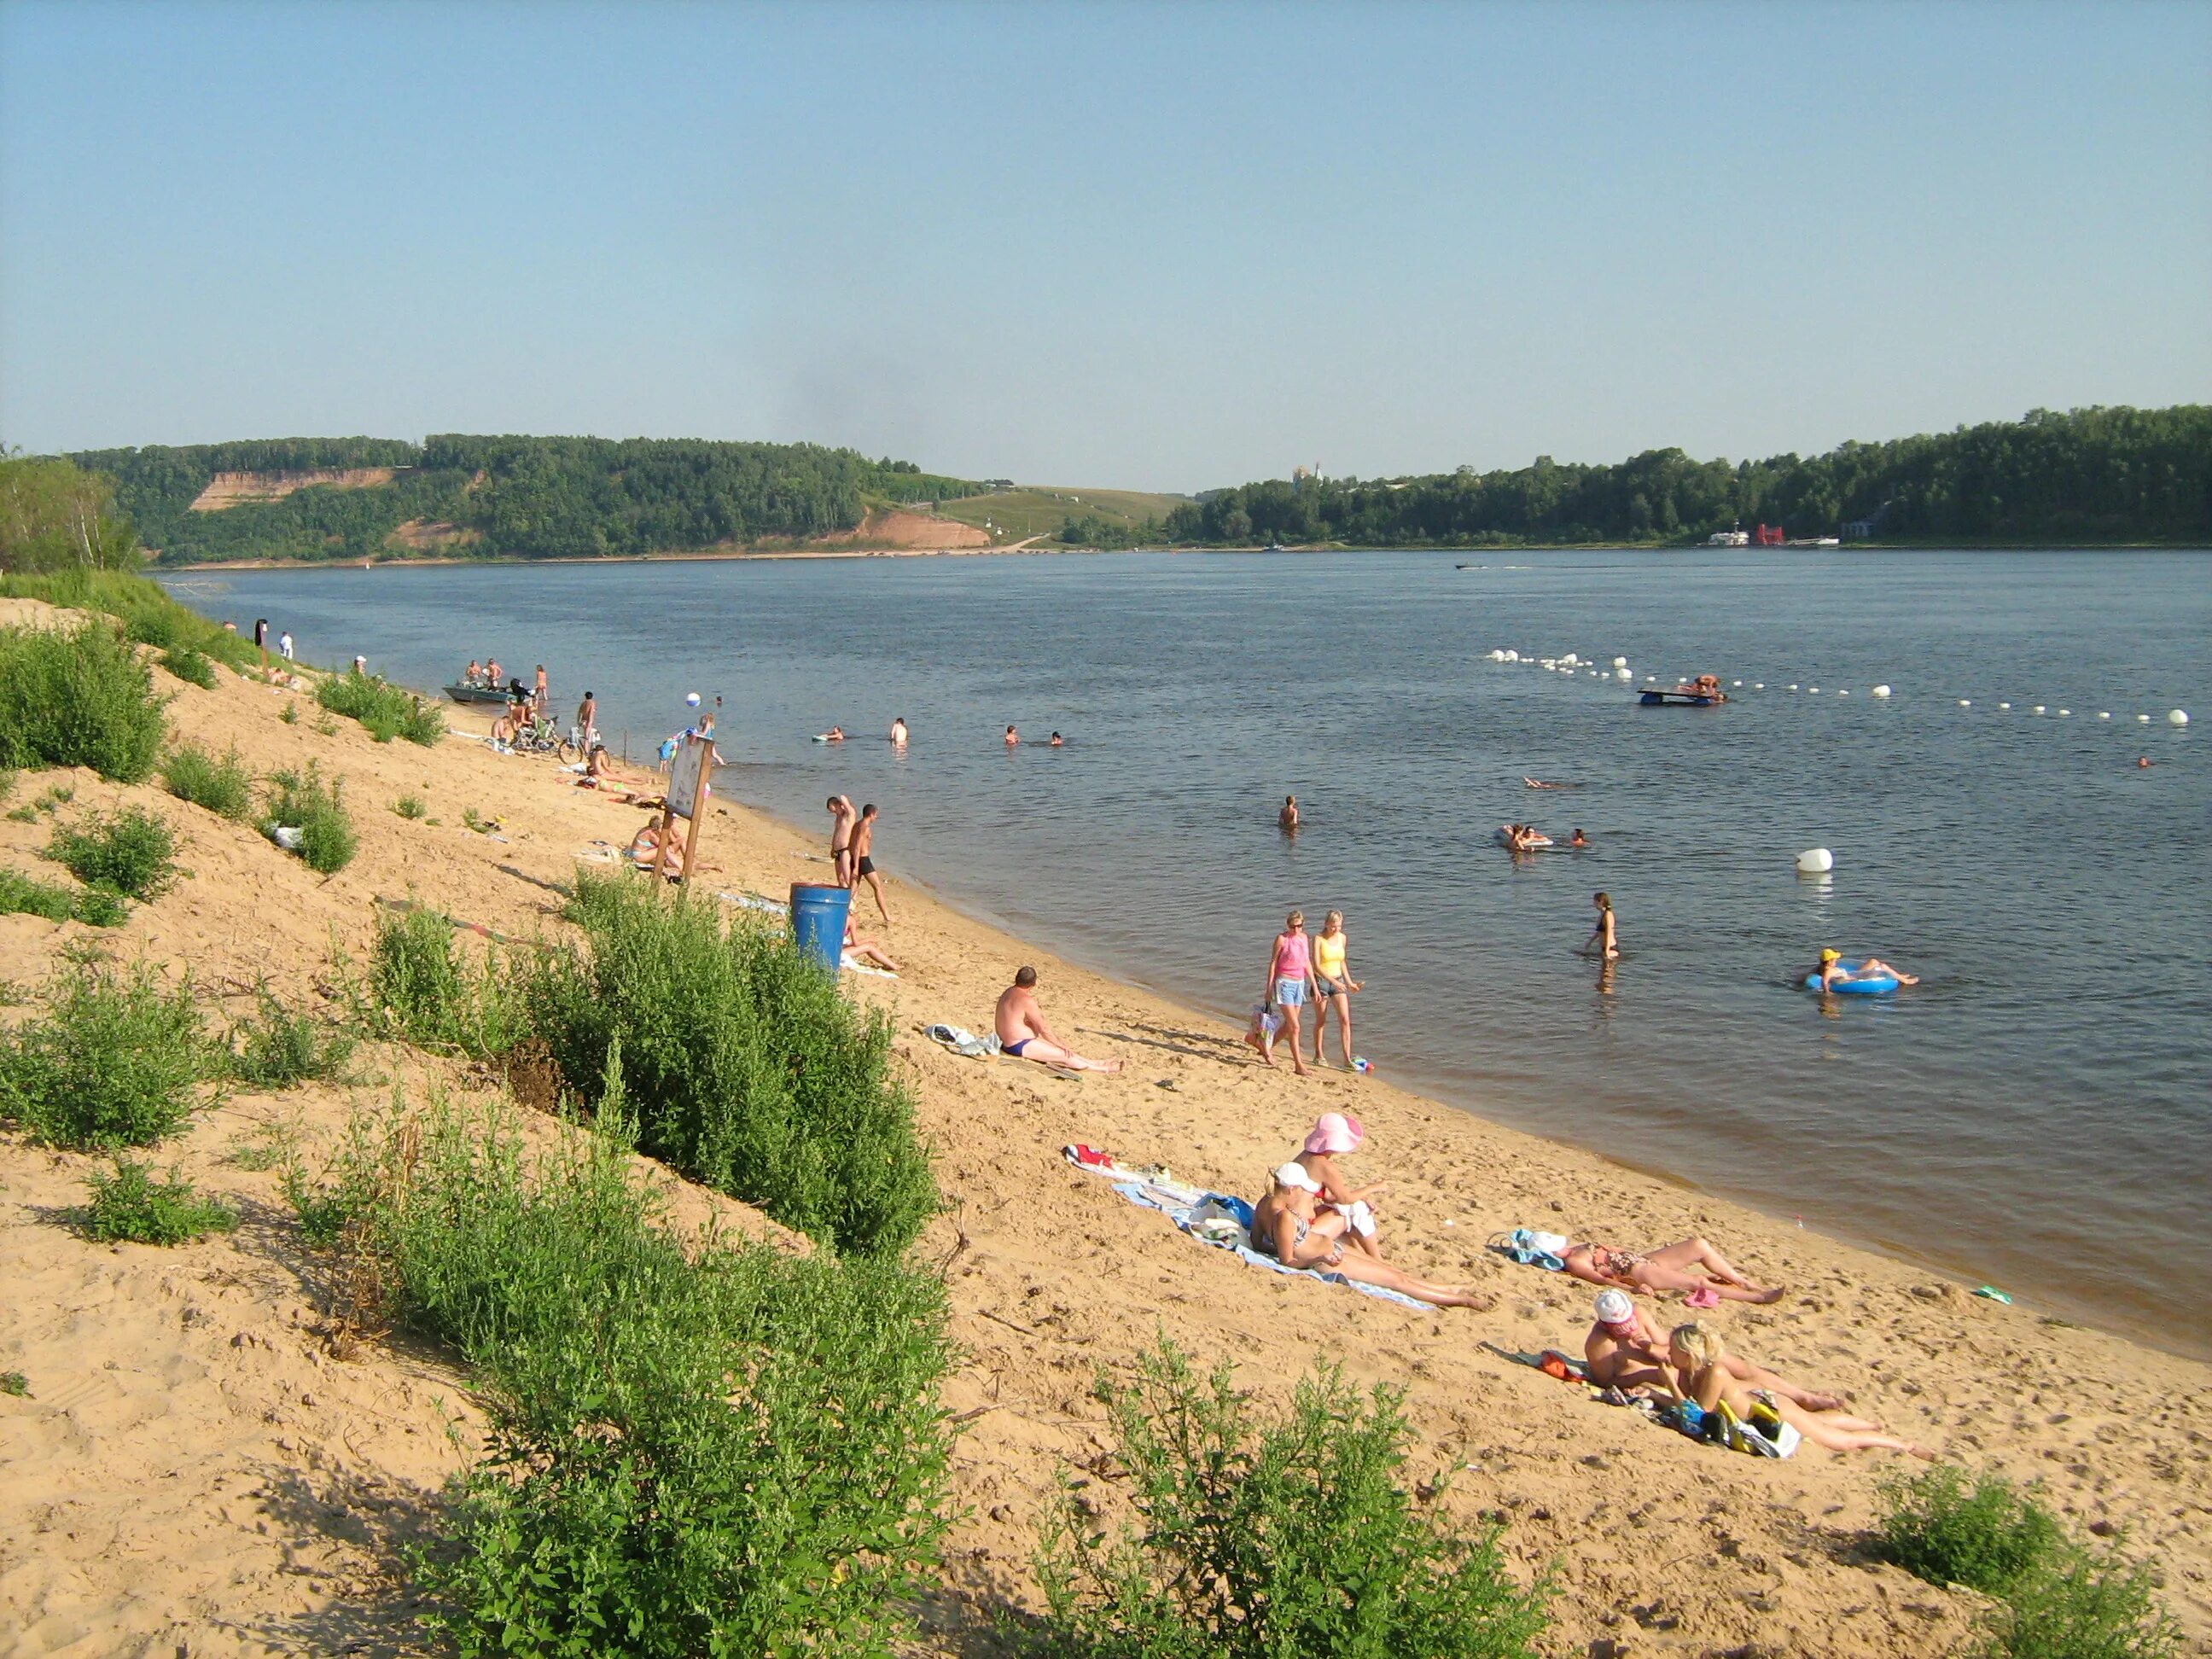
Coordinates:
[1333,1131]
[1704,1297]
[1292,954]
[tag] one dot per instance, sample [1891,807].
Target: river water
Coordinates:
[2035,1115]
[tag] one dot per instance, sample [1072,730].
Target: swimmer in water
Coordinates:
[1578,840]
[1539,783]
[1013,737]
[2142,760]
[898,732]
[1287,819]
[1831,971]
[1603,942]
[1056,741]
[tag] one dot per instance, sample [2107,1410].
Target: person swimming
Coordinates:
[1578,839]
[1055,741]
[1831,972]
[1013,737]
[1287,819]
[898,732]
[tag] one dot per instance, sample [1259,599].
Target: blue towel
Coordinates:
[1153,1198]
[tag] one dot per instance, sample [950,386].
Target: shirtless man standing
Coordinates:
[1023,1034]
[1287,819]
[840,838]
[864,868]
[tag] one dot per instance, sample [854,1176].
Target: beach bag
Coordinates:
[1764,1434]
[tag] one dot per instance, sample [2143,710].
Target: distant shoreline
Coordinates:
[1035,545]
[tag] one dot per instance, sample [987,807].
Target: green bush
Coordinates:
[2057,1598]
[276,1048]
[387,710]
[420,988]
[1255,1538]
[722,1450]
[1985,1533]
[93,906]
[410,806]
[131,1205]
[16,1384]
[116,1061]
[289,713]
[302,801]
[132,852]
[81,698]
[195,667]
[143,607]
[748,1070]
[2087,1604]
[220,783]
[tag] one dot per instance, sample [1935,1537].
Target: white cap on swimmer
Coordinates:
[1613,1308]
[1294,1175]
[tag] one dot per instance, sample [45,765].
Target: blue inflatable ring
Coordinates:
[1880,984]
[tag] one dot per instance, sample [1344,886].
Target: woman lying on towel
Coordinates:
[1290,1224]
[1624,1350]
[1696,1370]
[1674,1269]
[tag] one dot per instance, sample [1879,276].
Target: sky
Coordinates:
[1148,246]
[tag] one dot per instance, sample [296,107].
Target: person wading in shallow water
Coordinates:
[1287,819]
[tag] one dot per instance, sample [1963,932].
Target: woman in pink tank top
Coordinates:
[1289,978]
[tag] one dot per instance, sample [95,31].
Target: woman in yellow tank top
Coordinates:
[1334,985]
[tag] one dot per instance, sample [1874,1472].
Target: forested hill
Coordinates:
[2091,476]
[356,498]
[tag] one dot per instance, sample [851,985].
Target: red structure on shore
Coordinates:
[1767,535]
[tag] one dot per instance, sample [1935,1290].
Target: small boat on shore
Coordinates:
[467,691]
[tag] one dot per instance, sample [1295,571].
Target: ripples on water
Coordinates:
[2035,1115]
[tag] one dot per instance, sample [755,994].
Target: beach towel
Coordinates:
[852,964]
[961,1040]
[1531,1248]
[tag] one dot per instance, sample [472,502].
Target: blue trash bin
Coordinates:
[818,921]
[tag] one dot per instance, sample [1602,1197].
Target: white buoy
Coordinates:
[2065,713]
[1737,683]
[1816,862]
[1882,691]
[2177,717]
[1513,656]
[2143,720]
[2102,716]
[1965,702]
[1759,686]
[1570,660]
[1812,691]
[1843,694]
[1793,685]
[1497,656]
[1623,675]
[2004,705]
[1620,662]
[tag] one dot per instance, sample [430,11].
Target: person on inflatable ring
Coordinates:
[1831,971]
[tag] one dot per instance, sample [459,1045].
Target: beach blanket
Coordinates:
[1220,1219]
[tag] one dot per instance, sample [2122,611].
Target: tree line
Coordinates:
[2088,476]
[514,496]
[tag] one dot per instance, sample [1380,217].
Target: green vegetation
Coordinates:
[410,806]
[289,713]
[718,1450]
[55,517]
[747,1070]
[220,783]
[383,708]
[16,1384]
[276,1048]
[1255,1537]
[132,852]
[148,614]
[77,698]
[302,801]
[131,1205]
[514,496]
[2091,476]
[1117,518]
[2057,1597]
[116,1061]
[194,667]
[96,907]
[422,989]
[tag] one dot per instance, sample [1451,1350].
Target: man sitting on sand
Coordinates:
[1023,1034]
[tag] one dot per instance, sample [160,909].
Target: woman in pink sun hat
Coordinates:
[1335,1135]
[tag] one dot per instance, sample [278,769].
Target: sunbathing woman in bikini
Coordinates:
[1663,1270]
[1290,1225]
[1697,1369]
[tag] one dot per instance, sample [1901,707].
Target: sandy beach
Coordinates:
[200,1469]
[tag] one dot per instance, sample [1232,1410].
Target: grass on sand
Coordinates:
[1039,511]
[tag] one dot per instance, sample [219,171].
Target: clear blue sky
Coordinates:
[1157,247]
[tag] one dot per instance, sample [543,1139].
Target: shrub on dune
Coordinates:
[80,697]
[117,1060]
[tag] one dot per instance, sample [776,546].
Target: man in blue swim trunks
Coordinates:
[1023,1034]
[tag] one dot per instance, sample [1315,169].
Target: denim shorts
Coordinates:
[1291,992]
[1328,988]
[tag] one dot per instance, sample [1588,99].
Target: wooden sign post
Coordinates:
[689,789]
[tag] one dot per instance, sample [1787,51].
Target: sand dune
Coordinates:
[198,1472]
